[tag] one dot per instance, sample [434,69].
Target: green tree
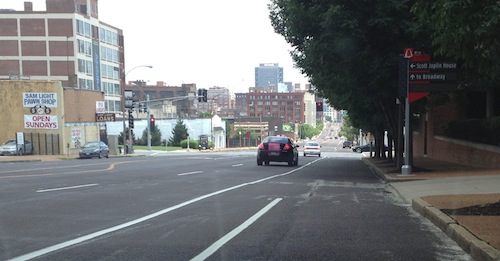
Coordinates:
[155,136]
[205,114]
[120,137]
[467,32]
[308,131]
[178,133]
[243,132]
[349,49]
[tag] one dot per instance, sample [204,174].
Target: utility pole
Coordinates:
[149,121]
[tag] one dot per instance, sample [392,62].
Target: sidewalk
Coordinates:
[462,201]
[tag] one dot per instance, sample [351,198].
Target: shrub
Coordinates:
[486,131]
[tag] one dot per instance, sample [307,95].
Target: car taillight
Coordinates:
[261,146]
[287,147]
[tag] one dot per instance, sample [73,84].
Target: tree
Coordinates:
[179,133]
[155,136]
[243,132]
[467,32]
[120,137]
[349,49]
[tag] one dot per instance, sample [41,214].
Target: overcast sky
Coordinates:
[210,43]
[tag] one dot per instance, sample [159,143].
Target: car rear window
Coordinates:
[276,139]
[312,144]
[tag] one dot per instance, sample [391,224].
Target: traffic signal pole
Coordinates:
[149,121]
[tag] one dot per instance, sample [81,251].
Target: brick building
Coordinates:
[166,101]
[66,43]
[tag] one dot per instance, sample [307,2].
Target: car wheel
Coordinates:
[296,162]
[267,162]
[304,154]
[359,150]
[259,162]
[20,152]
[107,155]
[100,155]
[319,155]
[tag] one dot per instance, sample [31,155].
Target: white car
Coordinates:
[10,147]
[312,148]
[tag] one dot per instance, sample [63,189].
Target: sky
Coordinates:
[209,43]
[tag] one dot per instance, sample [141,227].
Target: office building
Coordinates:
[66,43]
[268,76]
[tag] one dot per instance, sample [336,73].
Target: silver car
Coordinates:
[312,148]
[10,147]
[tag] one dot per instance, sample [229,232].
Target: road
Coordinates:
[210,206]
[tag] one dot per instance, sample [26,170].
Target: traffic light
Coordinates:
[152,121]
[130,120]
[205,95]
[319,106]
[200,95]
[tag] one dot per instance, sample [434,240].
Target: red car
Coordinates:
[278,149]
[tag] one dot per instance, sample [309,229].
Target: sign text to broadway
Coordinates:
[433,77]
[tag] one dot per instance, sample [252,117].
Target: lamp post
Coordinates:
[123,106]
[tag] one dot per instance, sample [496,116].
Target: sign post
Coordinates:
[418,77]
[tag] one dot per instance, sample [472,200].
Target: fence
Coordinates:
[43,143]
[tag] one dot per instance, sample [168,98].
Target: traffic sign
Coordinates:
[432,77]
[441,66]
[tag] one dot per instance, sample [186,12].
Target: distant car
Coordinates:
[92,149]
[278,149]
[10,147]
[312,148]
[363,148]
[347,144]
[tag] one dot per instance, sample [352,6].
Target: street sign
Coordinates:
[432,77]
[426,76]
[441,66]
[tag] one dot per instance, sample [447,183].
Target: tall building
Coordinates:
[66,43]
[268,76]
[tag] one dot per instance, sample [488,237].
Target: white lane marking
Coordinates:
[91,236]
[66,188]
[222,241]
[237,165]
[189,173]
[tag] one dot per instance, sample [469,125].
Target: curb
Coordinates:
[477,248]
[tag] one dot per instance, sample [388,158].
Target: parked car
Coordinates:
[312,148]
[94,149]
[346,144]
[10,147]
[364,148]
[278,149]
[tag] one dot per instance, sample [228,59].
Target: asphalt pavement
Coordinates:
[430,178]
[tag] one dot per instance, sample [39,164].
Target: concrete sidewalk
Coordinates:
[435,186]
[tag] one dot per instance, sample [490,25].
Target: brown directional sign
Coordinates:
[430,76]
[103,117]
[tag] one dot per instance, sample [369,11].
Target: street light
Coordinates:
[123,106]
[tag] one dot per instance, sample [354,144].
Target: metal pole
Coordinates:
[130,139]
[406,169]
[149,121]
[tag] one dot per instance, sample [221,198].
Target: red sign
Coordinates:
[414,96]
[408,53]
